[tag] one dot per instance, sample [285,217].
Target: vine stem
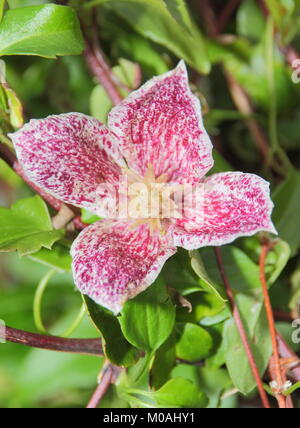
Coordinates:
[243,104]
[53,343]
[95,59]
[242,331]
[287,354]
[107,377]
[226,14]
[276,357]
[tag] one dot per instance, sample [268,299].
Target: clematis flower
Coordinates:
[157,136]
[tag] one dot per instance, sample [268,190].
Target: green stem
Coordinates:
[76,322]
[37,308]
[273,129]
[2,4]
[37,302]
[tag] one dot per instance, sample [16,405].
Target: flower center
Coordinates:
[151,200]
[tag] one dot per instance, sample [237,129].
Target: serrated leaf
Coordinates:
[116,348]
[58,258]
[27,227]
[46,30]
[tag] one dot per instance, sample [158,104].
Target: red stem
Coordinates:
[226,14]
[286,352]
[242,331]
[107,377]
[53,343]
[102,72]
[279,378]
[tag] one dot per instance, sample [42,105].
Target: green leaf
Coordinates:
[47,30]
[295,293]
[180,392]
[2,4]
[179,273]
[193,342]
[58,258]
[15,107]
[286,213]
[250,20]
[148,320]
[277,260]
[204,306]
[27,227]
[241,270]
[251,72]
[258,333]
[163,363]
[87,216]
[214,382]
[144,53]
[117,349]
[100,104]
[205,281]
[211,381]
[152,19]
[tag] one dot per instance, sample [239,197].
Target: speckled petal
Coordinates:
[113,262]
[69,156]
[235,205]
[161,125]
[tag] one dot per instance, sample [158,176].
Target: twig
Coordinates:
[242,331]
[293,369]
[98,67]
[289,52]
[279,378]
[208,17]
[238,94]
[244,106]
[282,316]
[107,377]
[226,14]
[63,217]
[53,343]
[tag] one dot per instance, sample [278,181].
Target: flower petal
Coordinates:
[113,262]
[161,125]
[69,156]
[234,205]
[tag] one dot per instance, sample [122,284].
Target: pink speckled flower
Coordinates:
[155,135]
